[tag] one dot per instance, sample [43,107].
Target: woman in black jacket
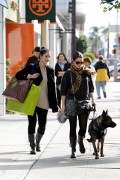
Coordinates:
[43,76]
[76,86]
[61,67]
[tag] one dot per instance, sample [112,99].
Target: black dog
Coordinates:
[98,129]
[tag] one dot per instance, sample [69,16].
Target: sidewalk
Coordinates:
[54,161]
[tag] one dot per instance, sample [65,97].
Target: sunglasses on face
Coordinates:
[78,62]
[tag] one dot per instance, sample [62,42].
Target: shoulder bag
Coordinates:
[18,89]
[29,105]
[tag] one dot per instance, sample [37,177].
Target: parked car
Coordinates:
[111,69]
[111,61]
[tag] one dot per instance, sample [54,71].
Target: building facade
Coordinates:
[19,38]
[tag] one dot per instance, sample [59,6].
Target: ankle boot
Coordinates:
[73,147]
[81,144]
[38,139]
[32,143]
[105,95]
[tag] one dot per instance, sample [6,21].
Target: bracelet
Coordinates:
[28,76]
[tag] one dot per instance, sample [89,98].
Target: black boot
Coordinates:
[32,143]
[105,95]
[73,147]
[81,144]
[38,139]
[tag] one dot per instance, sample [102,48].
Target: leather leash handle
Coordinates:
[94,106]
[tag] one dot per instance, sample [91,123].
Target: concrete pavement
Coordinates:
[54,161]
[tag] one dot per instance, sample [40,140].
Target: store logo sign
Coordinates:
[40,10]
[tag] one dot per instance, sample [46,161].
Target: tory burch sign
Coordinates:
[40,10]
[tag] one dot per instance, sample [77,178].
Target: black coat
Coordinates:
[84,90]
[32,59]
[57,69]
[31,69]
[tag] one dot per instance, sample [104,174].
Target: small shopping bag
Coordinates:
[28,106]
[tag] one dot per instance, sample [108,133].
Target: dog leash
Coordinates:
[94,113]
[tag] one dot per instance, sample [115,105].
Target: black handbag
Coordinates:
[83,106]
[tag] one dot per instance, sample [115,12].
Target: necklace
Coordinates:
[42,67]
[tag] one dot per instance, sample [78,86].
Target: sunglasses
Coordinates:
[78,62]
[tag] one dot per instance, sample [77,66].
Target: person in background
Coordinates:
[76,85]
[35,57]
[61,66]
[87,63]
[43,76]
[102,77]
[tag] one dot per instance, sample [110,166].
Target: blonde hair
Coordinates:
[88,59]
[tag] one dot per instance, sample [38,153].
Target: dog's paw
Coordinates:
[97,157]
[102,155]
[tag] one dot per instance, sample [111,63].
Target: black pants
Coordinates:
[41,116]
[58,97]
[83,119]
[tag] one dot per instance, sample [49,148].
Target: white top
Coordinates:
[93,76]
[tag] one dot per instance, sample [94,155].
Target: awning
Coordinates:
[4,3]
[59,23]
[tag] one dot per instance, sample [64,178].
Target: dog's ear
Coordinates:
[103,113]
[106,111]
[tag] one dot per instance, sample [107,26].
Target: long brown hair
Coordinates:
[63,55]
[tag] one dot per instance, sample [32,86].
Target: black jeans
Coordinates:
[41,116]
[58,97]
[83,119]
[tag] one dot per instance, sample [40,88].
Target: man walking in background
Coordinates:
[102,76]
[35,57]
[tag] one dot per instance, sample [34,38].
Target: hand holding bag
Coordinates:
[61,118]
[17,89]
[28,107]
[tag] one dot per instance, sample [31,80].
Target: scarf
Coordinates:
[62,64]
[78,72]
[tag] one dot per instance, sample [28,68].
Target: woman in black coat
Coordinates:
[61,67]
[43,76]
[77,86]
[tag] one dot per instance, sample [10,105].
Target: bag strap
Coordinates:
[72,86]
[33,68]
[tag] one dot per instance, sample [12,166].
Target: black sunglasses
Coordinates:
[78,62]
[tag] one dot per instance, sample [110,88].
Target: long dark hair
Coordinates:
[76,55]
[43,51]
